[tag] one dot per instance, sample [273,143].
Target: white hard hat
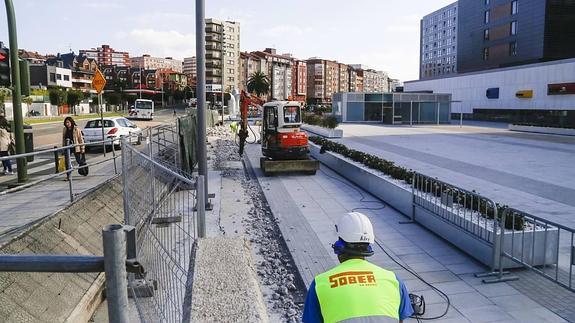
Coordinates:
[355,227]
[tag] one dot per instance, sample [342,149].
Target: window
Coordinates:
[514,7]
[485,53]
[52,77]
[66,77]
[59,76]
[486,2]
[486,34]
[513,28]
[486,17]
[513,48]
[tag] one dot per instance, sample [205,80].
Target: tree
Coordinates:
[113,98]
[58,97]
[28,100]
[74,98]
[258,83]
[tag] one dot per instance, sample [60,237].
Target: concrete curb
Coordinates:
[543,130]
[225,285]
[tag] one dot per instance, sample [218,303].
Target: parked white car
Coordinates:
[114,128]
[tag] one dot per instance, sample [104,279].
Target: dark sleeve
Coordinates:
[311,309]
[405,309]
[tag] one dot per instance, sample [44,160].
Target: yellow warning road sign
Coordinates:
[98,82]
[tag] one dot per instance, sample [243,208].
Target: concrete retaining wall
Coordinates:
[546,130]
[322,131]
[57,297]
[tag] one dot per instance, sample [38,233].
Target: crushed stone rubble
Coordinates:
[275,267]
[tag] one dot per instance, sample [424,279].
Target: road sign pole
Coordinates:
[102,120]
[21,163]
[98,83]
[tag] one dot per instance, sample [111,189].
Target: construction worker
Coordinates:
[356,290]
[234,126]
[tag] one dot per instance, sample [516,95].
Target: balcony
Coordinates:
[214,64]
[213,46]
[213,55]
[213,72]
[213,29]
[213,38]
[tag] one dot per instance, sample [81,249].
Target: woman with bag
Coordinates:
[71,134]
[6,143]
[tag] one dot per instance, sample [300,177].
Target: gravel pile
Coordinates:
[281,284]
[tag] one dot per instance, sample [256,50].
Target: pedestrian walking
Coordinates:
[71,134]
[175,114]
[6,144]
[356,290]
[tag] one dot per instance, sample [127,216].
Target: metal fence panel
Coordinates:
[160,204]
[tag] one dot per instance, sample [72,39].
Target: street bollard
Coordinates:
[115,269]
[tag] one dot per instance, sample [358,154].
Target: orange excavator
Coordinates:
[284,146]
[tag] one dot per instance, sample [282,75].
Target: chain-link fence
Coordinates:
[160,203]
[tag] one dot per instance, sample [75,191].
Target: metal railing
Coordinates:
[161,204]
[543,246]
[65,151]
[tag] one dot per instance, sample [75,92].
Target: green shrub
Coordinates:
[318,120]
[463,198]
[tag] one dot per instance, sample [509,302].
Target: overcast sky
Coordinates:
[381,34]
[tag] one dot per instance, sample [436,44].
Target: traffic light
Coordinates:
[5,67]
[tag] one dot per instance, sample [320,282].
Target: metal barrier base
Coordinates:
[498,279]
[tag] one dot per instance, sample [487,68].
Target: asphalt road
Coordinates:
[48,135]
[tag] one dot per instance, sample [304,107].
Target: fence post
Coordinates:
[125,179]
[201,206]
[152,182]
[114,156]
[116,276]
[69,169]
[56,159]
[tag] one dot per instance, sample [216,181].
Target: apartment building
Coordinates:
[105,55]
[223,54]
[299,80]
[279,71]
[148,62]
[514,32]
[189,68]
[250,64]
[438,42]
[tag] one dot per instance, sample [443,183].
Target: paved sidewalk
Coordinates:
[21,209]
[309,206]
[531,172]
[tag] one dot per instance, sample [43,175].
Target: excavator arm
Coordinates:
[245,101]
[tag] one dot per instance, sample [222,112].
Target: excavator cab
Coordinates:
[281,136]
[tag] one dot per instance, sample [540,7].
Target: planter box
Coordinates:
[324,132]
[400,198]
[482,250]
[397,196]
[546,130]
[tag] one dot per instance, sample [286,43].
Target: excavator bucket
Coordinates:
[304,166]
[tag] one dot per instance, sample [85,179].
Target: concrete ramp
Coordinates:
[61,297]
[225,286]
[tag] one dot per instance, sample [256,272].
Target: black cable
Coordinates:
[440,292]
[359,192]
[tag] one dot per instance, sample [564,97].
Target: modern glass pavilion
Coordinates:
[392,108]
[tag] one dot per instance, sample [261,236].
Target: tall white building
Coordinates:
[154,63]
[438,43]
[223,54]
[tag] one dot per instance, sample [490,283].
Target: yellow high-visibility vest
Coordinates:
[358,289]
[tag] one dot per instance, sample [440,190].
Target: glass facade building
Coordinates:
[392,108]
